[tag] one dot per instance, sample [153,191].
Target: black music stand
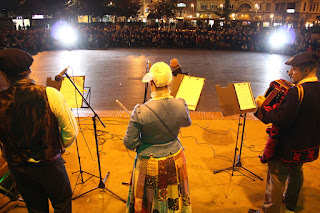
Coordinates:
[58,85]
[147,84]
[94,118]
[7,188]
[237,99]
[236,165]
[80,169]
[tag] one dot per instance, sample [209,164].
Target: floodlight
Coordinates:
[65,33]
[279,38]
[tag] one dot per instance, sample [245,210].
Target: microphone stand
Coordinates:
[94,118]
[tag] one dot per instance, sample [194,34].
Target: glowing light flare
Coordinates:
[280,38]
[65,33]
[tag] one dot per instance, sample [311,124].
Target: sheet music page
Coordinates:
[244,95]
[73,98]
[190,90]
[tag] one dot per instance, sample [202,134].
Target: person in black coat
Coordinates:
[176,67]
[298,121]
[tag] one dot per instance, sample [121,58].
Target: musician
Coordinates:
[176,67]
[36,123]
[297,126]
[159,180]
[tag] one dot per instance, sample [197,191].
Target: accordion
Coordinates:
[273,95]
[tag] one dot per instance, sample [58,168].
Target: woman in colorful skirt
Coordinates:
[159,181]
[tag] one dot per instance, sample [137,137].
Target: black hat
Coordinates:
[14,61]
[303,58]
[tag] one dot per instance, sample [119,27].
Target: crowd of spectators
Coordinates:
[242,38]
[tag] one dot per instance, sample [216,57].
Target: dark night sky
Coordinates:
[4,3]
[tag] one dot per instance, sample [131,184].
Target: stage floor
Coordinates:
[115,74]
[209,145]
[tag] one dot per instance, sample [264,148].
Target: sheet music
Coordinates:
[244,95]
[73,98]
[190,90]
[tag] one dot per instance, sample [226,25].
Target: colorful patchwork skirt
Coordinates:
[159,185]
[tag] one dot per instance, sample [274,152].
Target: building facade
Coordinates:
[184,8]
[275,12]
[295,13]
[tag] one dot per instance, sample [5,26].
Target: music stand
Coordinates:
[147,84]
[61,84]
[237,98]
[7,188]
[95,116]
[188,88]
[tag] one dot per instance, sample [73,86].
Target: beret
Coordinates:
[303,58]
[14,61]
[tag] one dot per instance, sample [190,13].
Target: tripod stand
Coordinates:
[81,171]
[237,165]
[94,118]
[8,189]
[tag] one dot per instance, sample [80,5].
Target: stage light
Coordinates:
[279,38]
[64,33]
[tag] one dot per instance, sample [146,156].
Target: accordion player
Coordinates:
[273,95]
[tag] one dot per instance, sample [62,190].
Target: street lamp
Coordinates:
[192,5]
[257,8]
[233,16]
[271,19]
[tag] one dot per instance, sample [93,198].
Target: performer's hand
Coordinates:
[259,100]
[263,159]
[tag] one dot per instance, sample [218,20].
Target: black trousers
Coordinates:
[38,182]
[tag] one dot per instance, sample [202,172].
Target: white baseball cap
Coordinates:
[160,73]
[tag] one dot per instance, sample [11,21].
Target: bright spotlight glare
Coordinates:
[67,35]
[279,39]
[64,33]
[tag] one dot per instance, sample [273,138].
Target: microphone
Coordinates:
[59,77]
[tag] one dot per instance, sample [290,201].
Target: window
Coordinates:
[304,6]
[215,6]
[211,6]
[268,6]
[282,6]
[277,7]
[204,6]
[291,6]
[310,8]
